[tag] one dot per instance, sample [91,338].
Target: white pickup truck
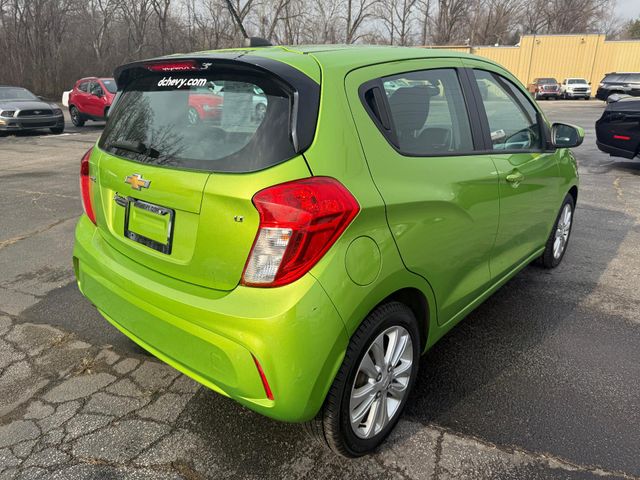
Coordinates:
[575,88]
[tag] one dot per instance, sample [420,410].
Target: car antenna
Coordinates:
[248,41]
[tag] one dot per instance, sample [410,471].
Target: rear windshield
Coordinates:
[212,121]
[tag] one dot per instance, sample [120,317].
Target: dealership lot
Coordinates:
[542,381]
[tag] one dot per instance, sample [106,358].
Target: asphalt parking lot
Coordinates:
[542,381]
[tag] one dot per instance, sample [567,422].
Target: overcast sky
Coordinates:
[628,9]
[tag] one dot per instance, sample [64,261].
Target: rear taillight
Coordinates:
[299,222]
[86,186]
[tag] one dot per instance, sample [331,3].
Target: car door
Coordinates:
[81,97]
[528,173]
[441,198]
[95,103]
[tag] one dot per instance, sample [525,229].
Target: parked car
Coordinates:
[618,129]
[575,88]
[91,99]
[21,110]
[205,104]
[258,99]
[544,88]
[301,264]
[619,83]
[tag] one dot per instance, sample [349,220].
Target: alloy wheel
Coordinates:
[562,231]
[380,384]
[192,116]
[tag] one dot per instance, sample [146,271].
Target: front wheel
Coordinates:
[559,239]
[371,388]
[57,130]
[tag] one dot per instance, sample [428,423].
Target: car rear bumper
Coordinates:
[16,124]
[614,151]
[294,332]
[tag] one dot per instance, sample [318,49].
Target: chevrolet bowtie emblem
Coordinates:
[137,182]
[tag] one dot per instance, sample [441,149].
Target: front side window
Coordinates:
[84,87]
[214,122]
[513,120]
[428,112]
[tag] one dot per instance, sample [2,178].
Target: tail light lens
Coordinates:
[299,222]
[86,186]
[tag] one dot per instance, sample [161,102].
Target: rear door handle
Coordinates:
[515,178]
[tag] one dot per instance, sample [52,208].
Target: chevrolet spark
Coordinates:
[301,260]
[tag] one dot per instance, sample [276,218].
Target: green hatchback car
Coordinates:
[299,261]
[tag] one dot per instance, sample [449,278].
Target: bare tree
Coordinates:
[449,22]
[357,12]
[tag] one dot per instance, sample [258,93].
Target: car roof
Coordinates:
[347,56]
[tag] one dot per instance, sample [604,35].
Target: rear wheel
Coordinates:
[373,384]
[76,116]
[559,239]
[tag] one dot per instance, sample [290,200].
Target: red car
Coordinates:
[203,105]
[90,99]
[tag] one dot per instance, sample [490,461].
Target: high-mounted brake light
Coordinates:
[622,137]
[299,222]
[173,66]
[86,186]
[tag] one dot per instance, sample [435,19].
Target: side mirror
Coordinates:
[566,136]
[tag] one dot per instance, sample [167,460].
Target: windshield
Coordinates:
[110,85]
[545,81]
[16,93]
[576,80]
[213,121]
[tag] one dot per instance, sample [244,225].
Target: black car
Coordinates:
[21,110]
[618,130]
[628,83]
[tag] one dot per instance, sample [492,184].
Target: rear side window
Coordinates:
[110,85]
[428,112]
[513,120]
[212,121]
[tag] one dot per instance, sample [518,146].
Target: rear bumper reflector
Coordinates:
[265,383]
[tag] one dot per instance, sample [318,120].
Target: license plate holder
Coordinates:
[149,224]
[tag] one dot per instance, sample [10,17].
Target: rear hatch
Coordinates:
[188,144]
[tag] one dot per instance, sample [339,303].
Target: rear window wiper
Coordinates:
[135,147]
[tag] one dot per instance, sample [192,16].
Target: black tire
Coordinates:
[106,113]
[332,426]
[547,259]
[76,116]
[57,130]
